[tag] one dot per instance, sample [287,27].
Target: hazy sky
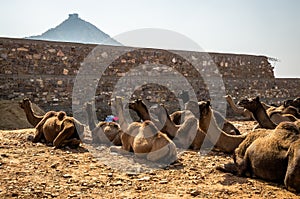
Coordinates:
[260,27]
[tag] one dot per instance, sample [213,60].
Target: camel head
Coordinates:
[296,103]
[137,105]
[250,103]
[204,108]
[110,129]
[25,103]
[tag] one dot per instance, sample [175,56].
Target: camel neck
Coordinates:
[262,117]
[143,114]
[221,139]
[170,128]
[31,117]
[91,121]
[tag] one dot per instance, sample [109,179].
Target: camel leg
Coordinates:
[39,127]
[63,135]
[186,133]
[157,154]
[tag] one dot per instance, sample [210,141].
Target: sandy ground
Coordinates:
[34,170]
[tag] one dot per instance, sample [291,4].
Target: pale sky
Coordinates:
[259,27]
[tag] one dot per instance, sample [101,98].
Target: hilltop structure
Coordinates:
[75,29]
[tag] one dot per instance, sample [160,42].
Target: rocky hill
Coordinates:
[75,29]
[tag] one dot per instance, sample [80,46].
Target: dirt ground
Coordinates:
[34,170]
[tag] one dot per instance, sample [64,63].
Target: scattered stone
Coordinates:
[163,182]
[67,176]
[195,193]
[22,49]
[110,175]
[146,178]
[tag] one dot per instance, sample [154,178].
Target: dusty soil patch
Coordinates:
[29,170]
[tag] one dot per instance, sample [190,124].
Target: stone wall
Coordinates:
[46,71]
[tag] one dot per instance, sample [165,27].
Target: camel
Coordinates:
[223,123]
[239,110]
[223,141]
[54,127]
[59,130]
[264,120]
[103,132]
[144,140]
[32,118]
[272,155]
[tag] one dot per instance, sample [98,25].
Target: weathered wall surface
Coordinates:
[45,72]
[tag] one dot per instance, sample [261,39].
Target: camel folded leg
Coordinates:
[63,137]
[39,135]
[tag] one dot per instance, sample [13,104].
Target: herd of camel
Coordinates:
[271,151]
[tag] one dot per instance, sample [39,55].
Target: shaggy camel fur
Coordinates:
[144,140]
[103,132]
[223,141]
[59,130]
[272,155]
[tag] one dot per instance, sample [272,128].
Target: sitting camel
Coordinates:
[239,110]
[144,140]
[103,132]
[272,155]
[54,127]
[59,129]
[264,120]
[223,123]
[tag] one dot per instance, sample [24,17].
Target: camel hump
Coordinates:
[289,126]
[61,115]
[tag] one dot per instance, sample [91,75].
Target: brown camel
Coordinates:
[103,132]
[144,140]
[32,118]
[239,110]
[59,130]
[272,155]
[264,120]
[223,141]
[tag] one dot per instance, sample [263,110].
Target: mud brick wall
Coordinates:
[45,72]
